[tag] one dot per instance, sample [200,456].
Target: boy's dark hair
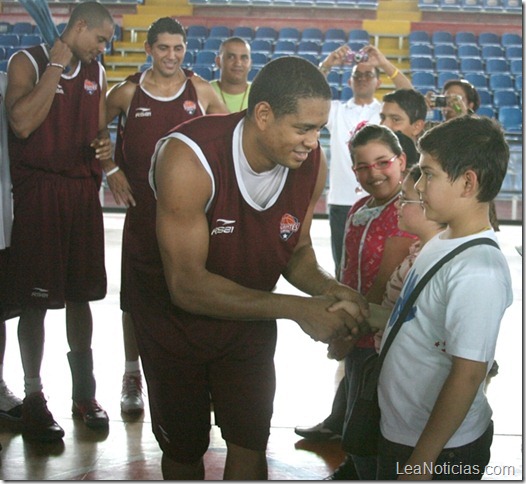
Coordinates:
[408,145]
[415,173]
[375,132]
[469,90]
[412,102]
[164,25]
[94,13]
[470,143]
[283,81]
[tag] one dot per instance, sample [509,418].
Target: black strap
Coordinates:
[421,283]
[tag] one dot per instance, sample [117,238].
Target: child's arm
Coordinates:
[451,407]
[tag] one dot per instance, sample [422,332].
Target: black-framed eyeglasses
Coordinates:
[364,75]
[379,165]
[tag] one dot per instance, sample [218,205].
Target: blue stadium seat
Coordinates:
[205,58]
[189,59]
[145,66]
[486,111]
[261,45]
[422,63]
[346,77]
[3,65]
[312,34]
[504,98]
[501,81]
[445,50]
[285,47]
[308,46]
[22,28]
[497,65]
[471,5]
[492,6]
[266,33]
[493,51]
[212,43]
[193,44]
[446,64]
[277,55]
[477,79]
[444,76]
[424,79]
[30,40]
[356,45]
[512,6]
[346,93]
[516,66]
[449,5]
[335,34]
[7,40]
[219,32]
[252,73]
[205,72]
[420,49]
[314,58]
[488,38]
[429,5]
[359,35]
[259,59]
[513,52]
[510,118]
[511,39]
[334,78]
[335,93]
[464,37]
[330,46]
[419,36]
[5,27]
[246,33]
[471,64]
[3,53]
[289,33]
[468,50]
[518,83]
[442,37]
[197,31]
[485,97]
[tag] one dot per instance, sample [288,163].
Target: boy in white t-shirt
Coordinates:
[436,420]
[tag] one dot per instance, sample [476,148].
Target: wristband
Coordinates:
[112,171]
[324,69]
[56,64]
[394,74]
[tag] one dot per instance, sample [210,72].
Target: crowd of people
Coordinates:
[220,181]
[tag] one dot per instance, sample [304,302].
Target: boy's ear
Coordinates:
[471,184]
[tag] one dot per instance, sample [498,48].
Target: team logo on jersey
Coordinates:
[39,293]
[223,226]
[143,112]
[190,107]
[90,87]
[59,89]
[288,226]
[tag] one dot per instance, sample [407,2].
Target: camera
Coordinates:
[356,57]
[440,101]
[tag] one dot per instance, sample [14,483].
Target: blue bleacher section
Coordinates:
[478,6]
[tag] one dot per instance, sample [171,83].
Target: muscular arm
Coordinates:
[28,102]
[450,409]
[183,190]
[208,98]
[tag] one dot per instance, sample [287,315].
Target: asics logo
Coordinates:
[223,226]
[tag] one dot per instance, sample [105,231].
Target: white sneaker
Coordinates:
[131,394]
[10,404]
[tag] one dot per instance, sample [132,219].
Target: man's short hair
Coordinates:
[470,143]
[233,40]
[165,25]
[93,13]
[412,102]
[281,82]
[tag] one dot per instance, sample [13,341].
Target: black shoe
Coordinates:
[318,433]
[345,472]
[38,422]
[94,416]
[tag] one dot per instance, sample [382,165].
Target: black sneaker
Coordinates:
[345,472]
[38,422]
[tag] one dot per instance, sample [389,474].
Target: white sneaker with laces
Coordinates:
[131,394]
[10,404]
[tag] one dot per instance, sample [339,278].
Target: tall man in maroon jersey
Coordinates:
[235,201]
[55,102]
[148,104]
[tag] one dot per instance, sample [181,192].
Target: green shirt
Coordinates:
[234,102]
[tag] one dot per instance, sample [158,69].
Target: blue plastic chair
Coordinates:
[510,118]
[308,47]
[496,66]
[266,33]
[334,78]
[212,43]
[289,33]
[477,79]
[285,47]
[471,5]
[516,66]
[189,58]
[419,36]
[464,37]
[471,64]
[205,58]
[252,73]
[504,98]
[261,45]
[335,34]
[444,76]
[22,28]
[450,5]
[492,52]
[420,49]
[312,34]
[197,31]
[446,64]
[330,46]
[501,81]
[219,32]
[359,35]
[422,63]
[259,59]
[30,40]
[314,58]
[518,83]
[513,52]
[488,38]
[486,111]
[442,37]
[485,96]
[445,50]
[346,93]
[246,33]
[205,72]
[468,50]
[193,44]
[429,5]
[511,39]
[8,40]
[423,80]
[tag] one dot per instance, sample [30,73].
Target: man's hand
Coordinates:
[103,148]
[339,348]
[120,189]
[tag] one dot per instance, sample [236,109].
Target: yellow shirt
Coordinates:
[234,102]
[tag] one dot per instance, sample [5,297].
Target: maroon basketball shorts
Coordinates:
[57,245]
[190,361]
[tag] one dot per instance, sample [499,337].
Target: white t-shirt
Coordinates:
[458,313]
[6,203]
[343,118]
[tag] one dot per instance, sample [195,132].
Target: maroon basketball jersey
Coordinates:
[248,245]
[61,144]
[148,119]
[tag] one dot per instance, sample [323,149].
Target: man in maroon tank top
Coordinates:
[235,200]
[148,104]
[56,108]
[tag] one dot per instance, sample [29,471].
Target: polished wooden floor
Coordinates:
[306,380]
